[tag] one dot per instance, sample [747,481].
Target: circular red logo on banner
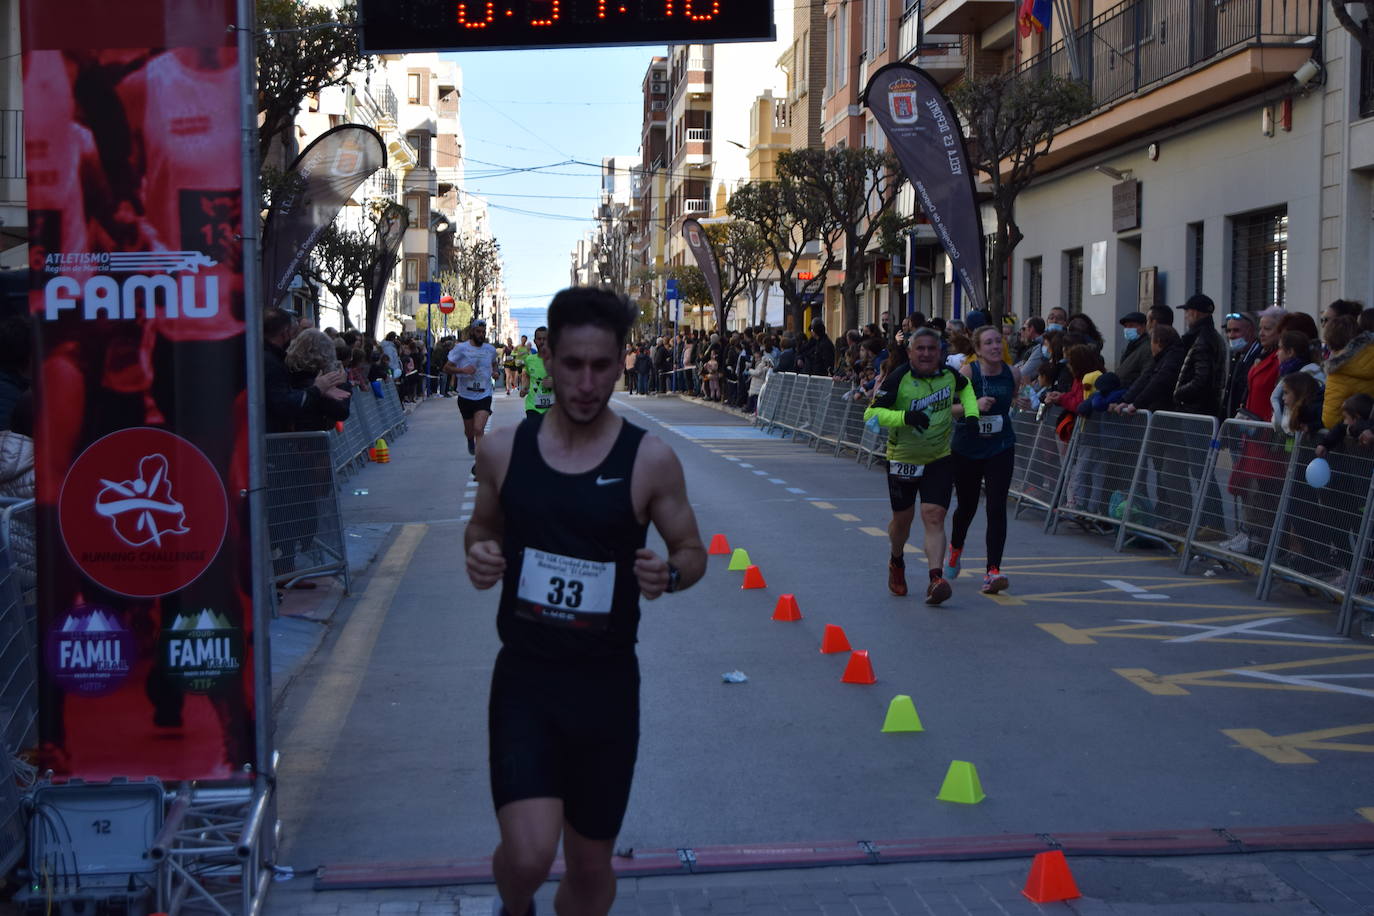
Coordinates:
[143,512]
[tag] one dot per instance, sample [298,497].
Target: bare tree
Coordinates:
[473,265]
[1013,120]
[341,262]
[856,187]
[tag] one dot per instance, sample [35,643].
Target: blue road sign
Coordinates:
[429,293]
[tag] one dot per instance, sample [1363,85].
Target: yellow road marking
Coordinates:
[821,505]
[1366,813]
[308,747]
[1067,634]
[1171,585]
[1072,562]
[1170,684]
[1004,600]
[1177,604]
[1150,682]
[876,532]
[1289,748]
[1098,577]
[846,517]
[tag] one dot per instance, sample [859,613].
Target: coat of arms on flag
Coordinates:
[901,101]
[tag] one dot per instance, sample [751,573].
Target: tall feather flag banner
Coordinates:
[923,131]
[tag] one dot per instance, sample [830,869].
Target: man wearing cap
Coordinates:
[1135,359]
[1198,391]
[476,362]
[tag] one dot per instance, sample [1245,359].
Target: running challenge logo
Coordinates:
[143,512]
[125,285]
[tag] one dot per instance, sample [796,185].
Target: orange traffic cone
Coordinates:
[1050,879]
[753,578]
[719,545]
[787,609]
[859,670]
[381,452]
[833,640]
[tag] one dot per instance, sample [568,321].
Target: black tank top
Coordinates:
[570,591]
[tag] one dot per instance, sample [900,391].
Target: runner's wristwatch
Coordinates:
[674,578]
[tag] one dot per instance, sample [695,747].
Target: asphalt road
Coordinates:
[1103,692]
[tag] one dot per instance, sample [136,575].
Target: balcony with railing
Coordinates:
[1153,62]
[942,56]
[695,208]
[964,17]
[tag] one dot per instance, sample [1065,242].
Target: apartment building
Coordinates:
[1230,151]
[650,236]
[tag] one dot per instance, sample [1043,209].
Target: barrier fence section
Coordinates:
[18,669]
[369,418]
[304,523]
[1232,492]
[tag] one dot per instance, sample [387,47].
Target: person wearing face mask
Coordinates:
[1056,319]
[1135,359]
[1244,348]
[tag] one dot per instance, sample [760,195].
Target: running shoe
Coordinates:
[952,567]
[939,590]
[994,581]
[472,446]
[896,577]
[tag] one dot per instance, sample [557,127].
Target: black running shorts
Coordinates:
[565,731]
[933,487]
[469,407]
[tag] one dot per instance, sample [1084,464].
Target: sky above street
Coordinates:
[536,125]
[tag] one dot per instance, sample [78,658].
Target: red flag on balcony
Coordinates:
[1034,15]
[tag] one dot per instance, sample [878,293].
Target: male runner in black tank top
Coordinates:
[564,502]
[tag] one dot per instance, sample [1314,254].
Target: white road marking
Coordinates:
[1310,680]
[761,473]
[1135,591]
[730,458]
[798,490]
[467,507]
[743,465]
[1248,628]
[776,480]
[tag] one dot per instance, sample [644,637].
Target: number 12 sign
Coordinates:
[391,26]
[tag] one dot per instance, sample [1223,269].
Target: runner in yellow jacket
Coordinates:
[919,404]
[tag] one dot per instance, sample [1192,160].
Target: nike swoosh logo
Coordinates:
[607,481]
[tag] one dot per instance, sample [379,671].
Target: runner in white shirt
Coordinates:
[476,363]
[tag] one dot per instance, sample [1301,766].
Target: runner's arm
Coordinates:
[486,563]
[671,513]
[884,404]
[968,398]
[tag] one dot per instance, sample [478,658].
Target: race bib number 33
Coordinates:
[566,591]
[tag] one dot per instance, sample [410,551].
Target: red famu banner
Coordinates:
[135,184]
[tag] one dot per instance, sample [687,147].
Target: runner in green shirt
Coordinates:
[916,404]
[535,385]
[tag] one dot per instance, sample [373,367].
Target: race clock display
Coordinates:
[395,26]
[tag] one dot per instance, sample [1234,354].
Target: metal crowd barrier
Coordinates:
[369,418]
[18,668]
[304,523]
[1233,492]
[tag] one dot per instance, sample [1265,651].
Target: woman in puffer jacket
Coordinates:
[1349,369]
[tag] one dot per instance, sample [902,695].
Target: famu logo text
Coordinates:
[202,650]
[131,284]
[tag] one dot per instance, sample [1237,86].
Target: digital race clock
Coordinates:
[392,26]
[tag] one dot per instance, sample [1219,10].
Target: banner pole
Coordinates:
[252,310]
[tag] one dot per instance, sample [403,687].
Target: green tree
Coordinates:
[301,48]
[743,258]
[856,187]
[348,262]
[790,222]
[1012,121]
